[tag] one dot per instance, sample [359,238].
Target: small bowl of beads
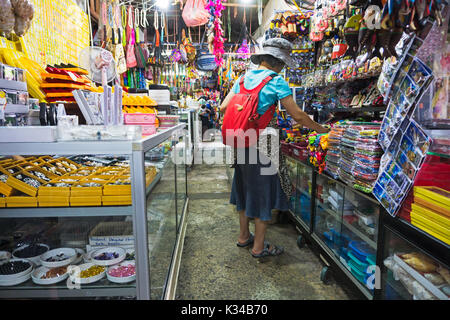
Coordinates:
[31,252]
[86,273]
[58,257]
[122,273]
[108,256]
[15,271]
[44,275]
[79,257]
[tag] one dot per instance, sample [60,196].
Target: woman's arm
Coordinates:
[226,101]
[300,116]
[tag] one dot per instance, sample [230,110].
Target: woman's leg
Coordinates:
[244,233]
[260,232]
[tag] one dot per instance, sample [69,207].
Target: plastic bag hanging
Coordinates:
[194,13]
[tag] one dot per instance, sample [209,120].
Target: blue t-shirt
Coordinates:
[275,90]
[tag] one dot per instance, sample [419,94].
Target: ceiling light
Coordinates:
[162,4]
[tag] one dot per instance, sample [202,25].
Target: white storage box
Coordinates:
[28,134]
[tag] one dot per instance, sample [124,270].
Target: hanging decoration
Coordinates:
[216,7]
[243,51]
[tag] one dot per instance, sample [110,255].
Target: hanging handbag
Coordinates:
[194,13]
[141,55]
[205,61]
[131,58]
[148,73]
[120,59]
[189,47]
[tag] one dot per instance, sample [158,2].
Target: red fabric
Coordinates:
[241,116]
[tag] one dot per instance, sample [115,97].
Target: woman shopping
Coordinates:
[254,192]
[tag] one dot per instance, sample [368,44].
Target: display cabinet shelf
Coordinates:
[342,268]
[327,220]
[143,223]
[353,229]
[120,147]
[66,212]
[16,108]
[101,288]
[421,239]
[13,85]
[353,110]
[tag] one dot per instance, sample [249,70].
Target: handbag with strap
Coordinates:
[141,55]
[205,61]
[131,58]
[120,59]
[194,13]
[189,47]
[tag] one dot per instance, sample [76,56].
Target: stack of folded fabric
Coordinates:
[60,82]
[334,149]
[366,159]
[347,151]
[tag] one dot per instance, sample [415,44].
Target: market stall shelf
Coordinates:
[140,187]
[343,227]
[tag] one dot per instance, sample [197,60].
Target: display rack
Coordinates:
[309,234]
[354,110]
[138,211]
[13,85]
[417,238]
[16,108]
[439,250]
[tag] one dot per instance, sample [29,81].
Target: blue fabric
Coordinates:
[275,90]
[255,193]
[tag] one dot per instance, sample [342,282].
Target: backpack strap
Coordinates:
[255,90]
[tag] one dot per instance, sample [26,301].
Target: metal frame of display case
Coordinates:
[324,252]
[311,194]
[136,150]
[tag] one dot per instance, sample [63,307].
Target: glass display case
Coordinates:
[346,224]
[301,176]
[409,273]
[91,219]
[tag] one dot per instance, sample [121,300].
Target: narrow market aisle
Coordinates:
[213,267]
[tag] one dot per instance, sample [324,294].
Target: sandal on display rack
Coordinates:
[275,251]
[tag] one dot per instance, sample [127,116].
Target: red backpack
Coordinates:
[242,124]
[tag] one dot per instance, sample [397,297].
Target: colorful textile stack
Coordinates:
[347,149]
[367,159]
[334,149]
[360,156]
[60,82]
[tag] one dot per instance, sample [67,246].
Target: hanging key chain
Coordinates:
[136,23]
[144,24]
[104,21]
[111,23]
[124,25]
[118,23]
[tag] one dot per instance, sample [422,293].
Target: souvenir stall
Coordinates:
[83,157]
[366,195]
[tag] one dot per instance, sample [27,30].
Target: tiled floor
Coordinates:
[213,267]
